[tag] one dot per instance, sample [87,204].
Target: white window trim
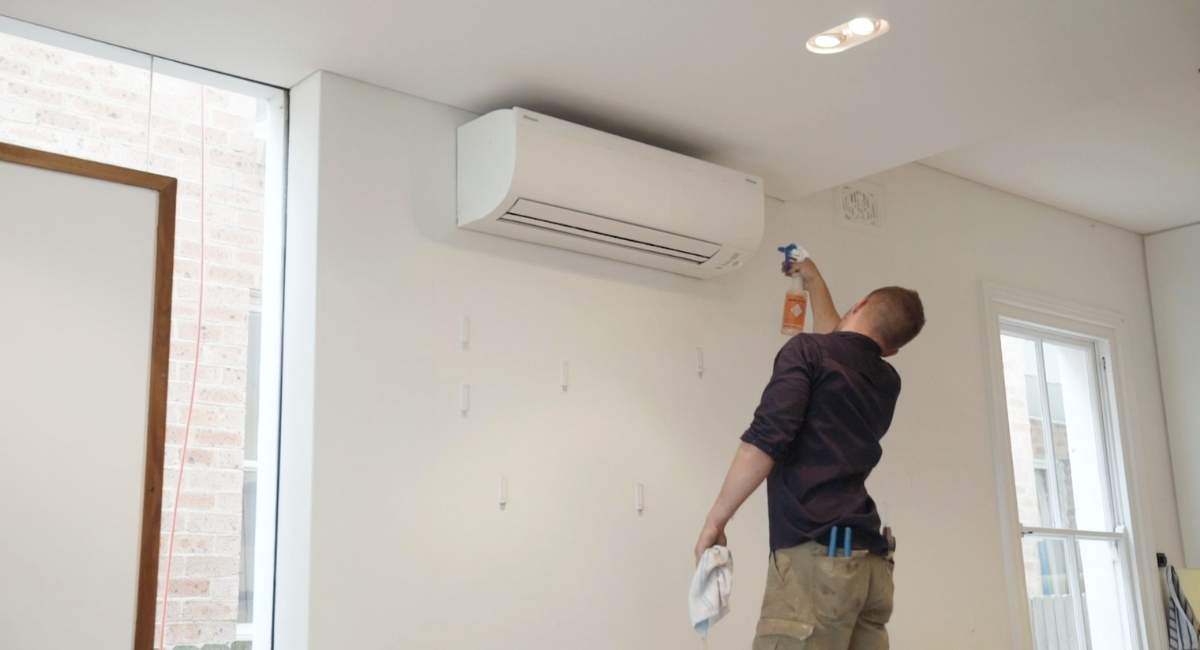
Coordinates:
[999,303]
[270,378]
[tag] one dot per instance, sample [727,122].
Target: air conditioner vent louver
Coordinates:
[572,223]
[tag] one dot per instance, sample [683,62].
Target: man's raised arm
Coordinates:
[825,314]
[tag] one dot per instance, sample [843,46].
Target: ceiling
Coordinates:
[728,81]
[1132,161]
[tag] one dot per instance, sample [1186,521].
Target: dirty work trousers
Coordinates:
[817,602]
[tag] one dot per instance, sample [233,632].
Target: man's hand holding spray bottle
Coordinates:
[795,303]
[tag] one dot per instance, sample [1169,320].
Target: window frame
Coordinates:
[1120,535]
[1106,329]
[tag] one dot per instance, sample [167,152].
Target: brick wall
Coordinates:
[62,101]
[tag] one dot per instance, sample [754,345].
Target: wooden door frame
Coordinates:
[156,425]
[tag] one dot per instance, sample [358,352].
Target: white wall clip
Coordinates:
[464,400]
[502,493]
[639,498]
[700,362]
[565,378]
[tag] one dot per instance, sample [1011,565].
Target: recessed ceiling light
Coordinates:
[826,41]
[861,26]
[847,35]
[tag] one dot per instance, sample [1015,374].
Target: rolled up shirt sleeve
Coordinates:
[781,412]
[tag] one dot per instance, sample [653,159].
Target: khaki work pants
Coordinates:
[817,602]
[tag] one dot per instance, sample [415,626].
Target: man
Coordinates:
[815,439]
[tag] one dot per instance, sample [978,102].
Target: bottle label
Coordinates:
[794,308]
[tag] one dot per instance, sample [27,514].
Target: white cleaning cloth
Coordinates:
[708,598]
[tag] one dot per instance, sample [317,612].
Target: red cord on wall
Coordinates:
[187,426]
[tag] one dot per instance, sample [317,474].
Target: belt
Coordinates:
[847,541]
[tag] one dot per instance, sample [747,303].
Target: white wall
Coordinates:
[409,548]
[1173,262]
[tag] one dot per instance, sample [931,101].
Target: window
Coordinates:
[1075,540]
[223,138]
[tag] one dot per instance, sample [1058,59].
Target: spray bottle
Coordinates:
[795,303]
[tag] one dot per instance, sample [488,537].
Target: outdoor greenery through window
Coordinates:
[1074,541]
[223,139]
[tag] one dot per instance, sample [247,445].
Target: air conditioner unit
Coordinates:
[536,178]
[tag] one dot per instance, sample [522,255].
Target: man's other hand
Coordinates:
[710,536]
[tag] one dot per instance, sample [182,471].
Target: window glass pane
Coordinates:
[207,136]
[1081,461]
[1031,462]
[77,104]
[1052,606]
[1101,575]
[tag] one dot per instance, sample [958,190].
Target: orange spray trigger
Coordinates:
[789,257]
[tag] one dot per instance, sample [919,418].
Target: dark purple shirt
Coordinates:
[829,402]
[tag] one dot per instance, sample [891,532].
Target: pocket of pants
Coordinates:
[878,609]
[786,596]
[781,634]
[780,563]
[836,587]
